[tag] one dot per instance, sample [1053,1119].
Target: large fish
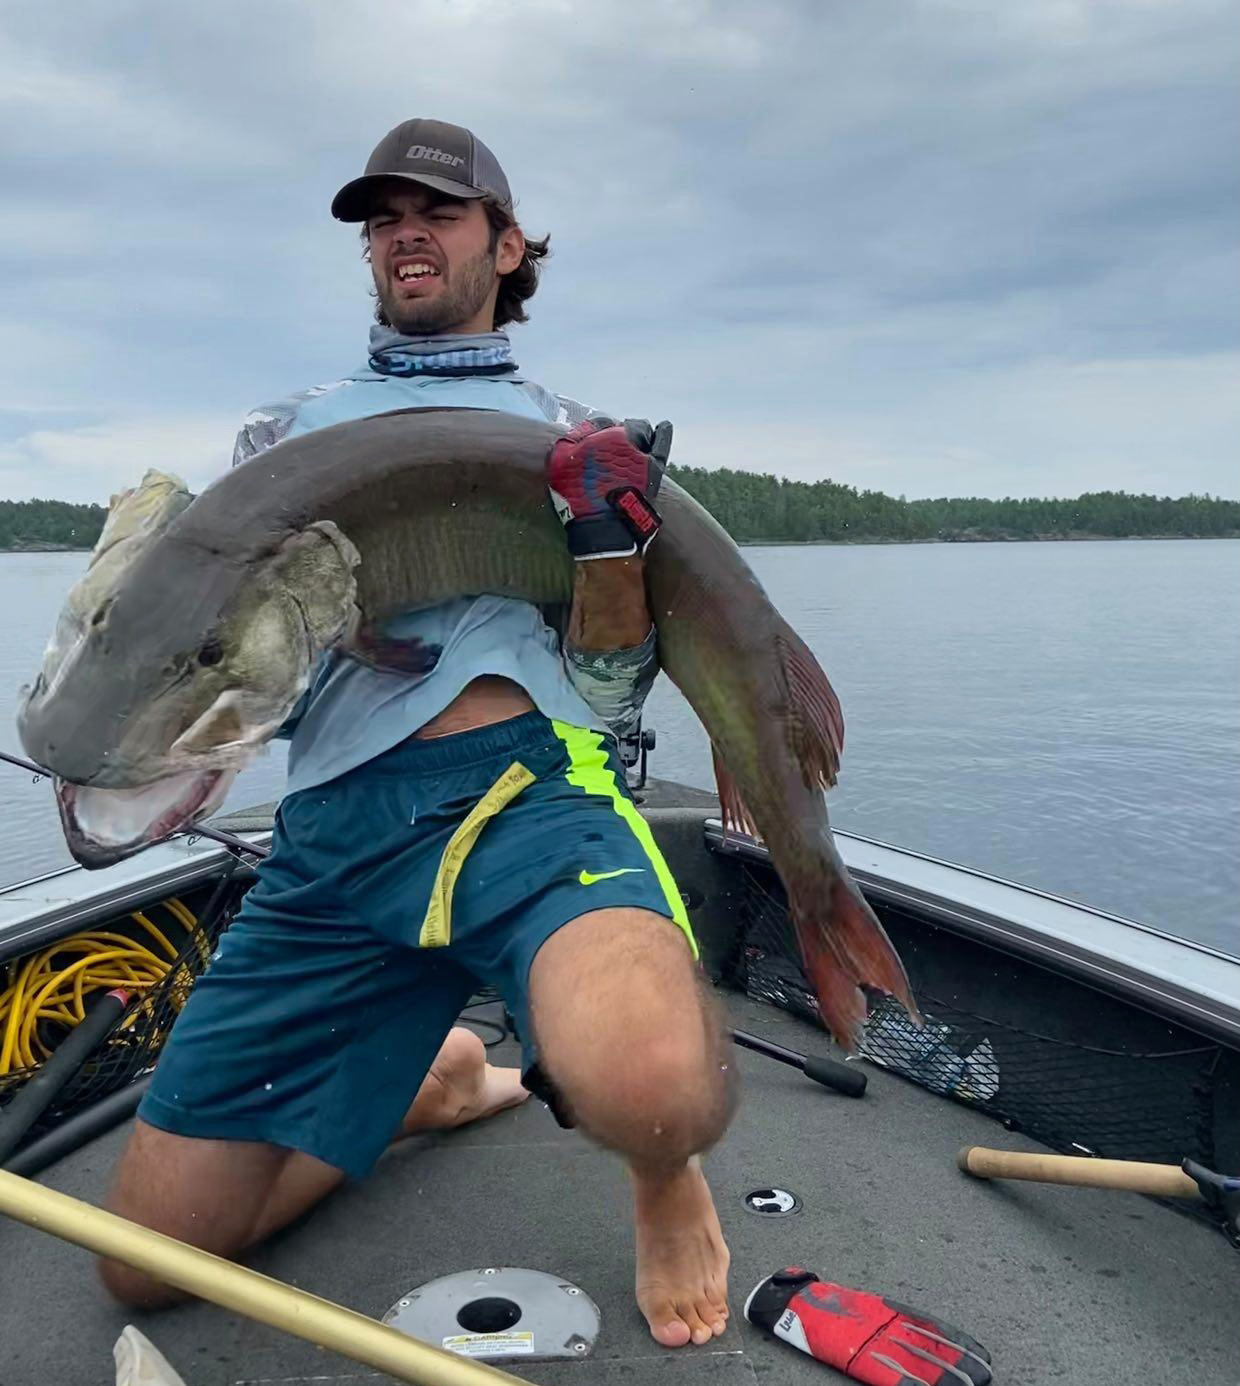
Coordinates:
[196,627]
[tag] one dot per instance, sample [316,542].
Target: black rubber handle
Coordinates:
[77,1130]
[849,1081]
[828,1072]
[36,1094]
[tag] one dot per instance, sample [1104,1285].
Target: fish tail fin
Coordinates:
[815,718]
[844,948]
[736,816]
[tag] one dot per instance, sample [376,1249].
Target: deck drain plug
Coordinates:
[500,1313]
[772,1203]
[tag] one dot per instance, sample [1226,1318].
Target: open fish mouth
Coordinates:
[104,826]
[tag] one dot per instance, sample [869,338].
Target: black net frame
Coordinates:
[131,1048]
[1152,1103]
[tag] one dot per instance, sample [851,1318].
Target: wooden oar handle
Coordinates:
[1165,1181]
[242,1290]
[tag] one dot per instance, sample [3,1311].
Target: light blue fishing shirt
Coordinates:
[352,713]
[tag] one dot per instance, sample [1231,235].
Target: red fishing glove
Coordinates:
[869,1338]
[603,478]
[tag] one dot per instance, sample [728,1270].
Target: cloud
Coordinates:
[1133,424]
[886,234]
[89,462]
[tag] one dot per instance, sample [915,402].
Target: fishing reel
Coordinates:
[633,751]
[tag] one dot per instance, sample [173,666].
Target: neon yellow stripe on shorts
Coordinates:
[588,770]
[436,931]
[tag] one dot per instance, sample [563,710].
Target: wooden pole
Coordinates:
[244,1291]
[1164,1181]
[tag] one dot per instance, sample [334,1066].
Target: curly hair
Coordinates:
[515,288]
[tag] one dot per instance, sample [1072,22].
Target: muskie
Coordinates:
[195,629]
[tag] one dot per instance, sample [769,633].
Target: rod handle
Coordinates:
[850,1081]
[44,1085]
[1163,1181]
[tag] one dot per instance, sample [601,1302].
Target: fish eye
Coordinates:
[211,653]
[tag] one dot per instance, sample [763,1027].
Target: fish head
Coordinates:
[174,661]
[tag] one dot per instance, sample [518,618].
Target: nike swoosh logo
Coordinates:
[589,877]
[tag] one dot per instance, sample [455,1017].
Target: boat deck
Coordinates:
[1062,1285]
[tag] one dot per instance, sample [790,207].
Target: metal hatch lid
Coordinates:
[1191,983]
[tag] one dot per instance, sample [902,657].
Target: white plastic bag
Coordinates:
[140,1363]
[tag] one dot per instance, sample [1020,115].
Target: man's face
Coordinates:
[433,264]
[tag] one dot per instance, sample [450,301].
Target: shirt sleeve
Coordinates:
[560,409]
[615,682]
[263,428]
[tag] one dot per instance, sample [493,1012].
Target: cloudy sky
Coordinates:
[934,247]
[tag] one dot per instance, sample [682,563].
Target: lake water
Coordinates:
[1065,715]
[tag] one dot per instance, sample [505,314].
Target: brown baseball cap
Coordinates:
[445,157]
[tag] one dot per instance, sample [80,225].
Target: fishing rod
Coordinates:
[236,845]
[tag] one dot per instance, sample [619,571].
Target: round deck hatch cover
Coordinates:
[500,1313]
[772,1203]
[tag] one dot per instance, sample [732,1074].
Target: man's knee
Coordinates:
[207,1193]
[630,1035]
[673,1095]
[668,1089]
[131,1287]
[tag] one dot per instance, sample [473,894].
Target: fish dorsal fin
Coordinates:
[142,511]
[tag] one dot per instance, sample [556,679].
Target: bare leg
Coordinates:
[632,1042]
[225,1196]
[461,1087]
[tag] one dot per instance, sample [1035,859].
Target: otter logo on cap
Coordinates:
[439,156]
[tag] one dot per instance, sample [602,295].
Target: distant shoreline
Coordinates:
[838,543]
[980,539]
[751,506]
[49,548]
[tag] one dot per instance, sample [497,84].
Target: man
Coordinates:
[463,819]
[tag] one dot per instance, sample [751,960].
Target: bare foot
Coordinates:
[501,1088]
[682,1260]
[462,1087]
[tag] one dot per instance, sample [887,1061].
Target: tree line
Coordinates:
[49,524]
[754,507]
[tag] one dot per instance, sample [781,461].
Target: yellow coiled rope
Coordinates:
[53,985]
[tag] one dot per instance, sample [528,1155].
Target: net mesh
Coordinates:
[1078,1098]
[131,1048]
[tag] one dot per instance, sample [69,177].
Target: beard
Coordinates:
[460,300]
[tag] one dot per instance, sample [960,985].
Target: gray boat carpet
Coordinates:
[1062,1285]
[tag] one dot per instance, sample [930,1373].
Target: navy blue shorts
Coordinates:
[390,893]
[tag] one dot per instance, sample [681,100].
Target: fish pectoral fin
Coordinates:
[736,816]
[815,719]
[218,726]
[236,723]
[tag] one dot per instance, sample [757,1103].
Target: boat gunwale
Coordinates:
[1143,981]
[185,862]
